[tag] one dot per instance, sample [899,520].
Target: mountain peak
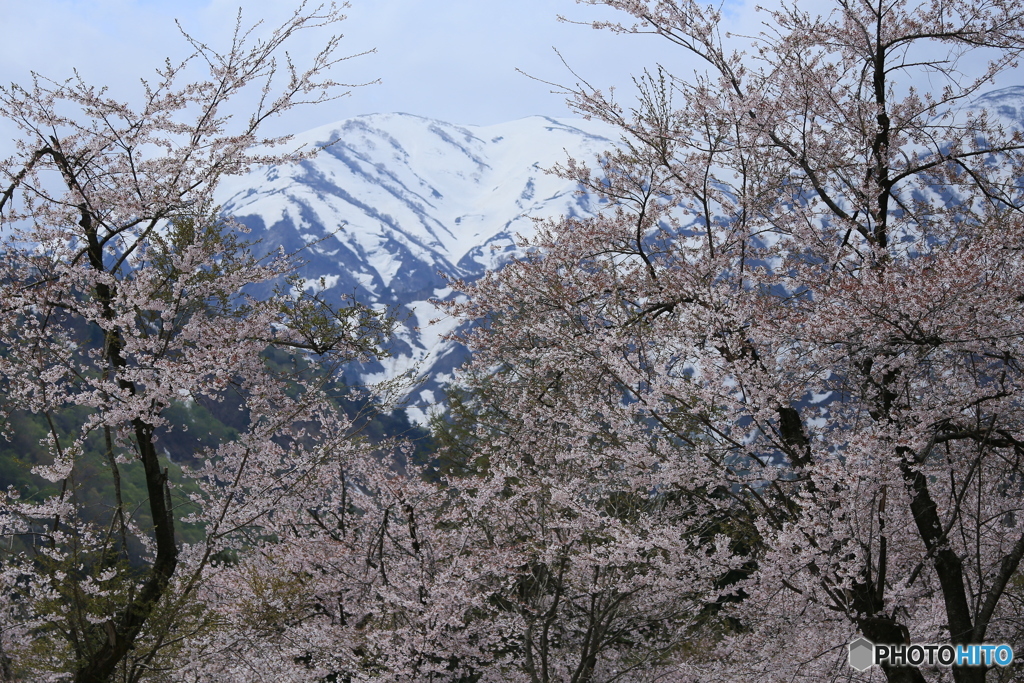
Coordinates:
[397,199]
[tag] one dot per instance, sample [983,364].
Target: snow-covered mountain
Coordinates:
[1006,103]
[398,199]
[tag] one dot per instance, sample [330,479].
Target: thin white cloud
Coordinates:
[454,60]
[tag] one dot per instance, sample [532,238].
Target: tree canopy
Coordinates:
[766,403]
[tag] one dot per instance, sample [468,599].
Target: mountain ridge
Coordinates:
[396,200]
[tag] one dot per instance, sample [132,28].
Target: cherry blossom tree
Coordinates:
[557,573]
[124,294]
[364,582]
[799,320]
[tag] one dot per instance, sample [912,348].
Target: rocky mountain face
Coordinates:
[1006,103]
[398,200]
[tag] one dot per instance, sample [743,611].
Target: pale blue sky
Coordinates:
[454,60]
[449,59]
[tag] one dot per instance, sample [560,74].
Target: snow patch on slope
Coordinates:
[393,200]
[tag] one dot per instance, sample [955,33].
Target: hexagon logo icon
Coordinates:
[861,654]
